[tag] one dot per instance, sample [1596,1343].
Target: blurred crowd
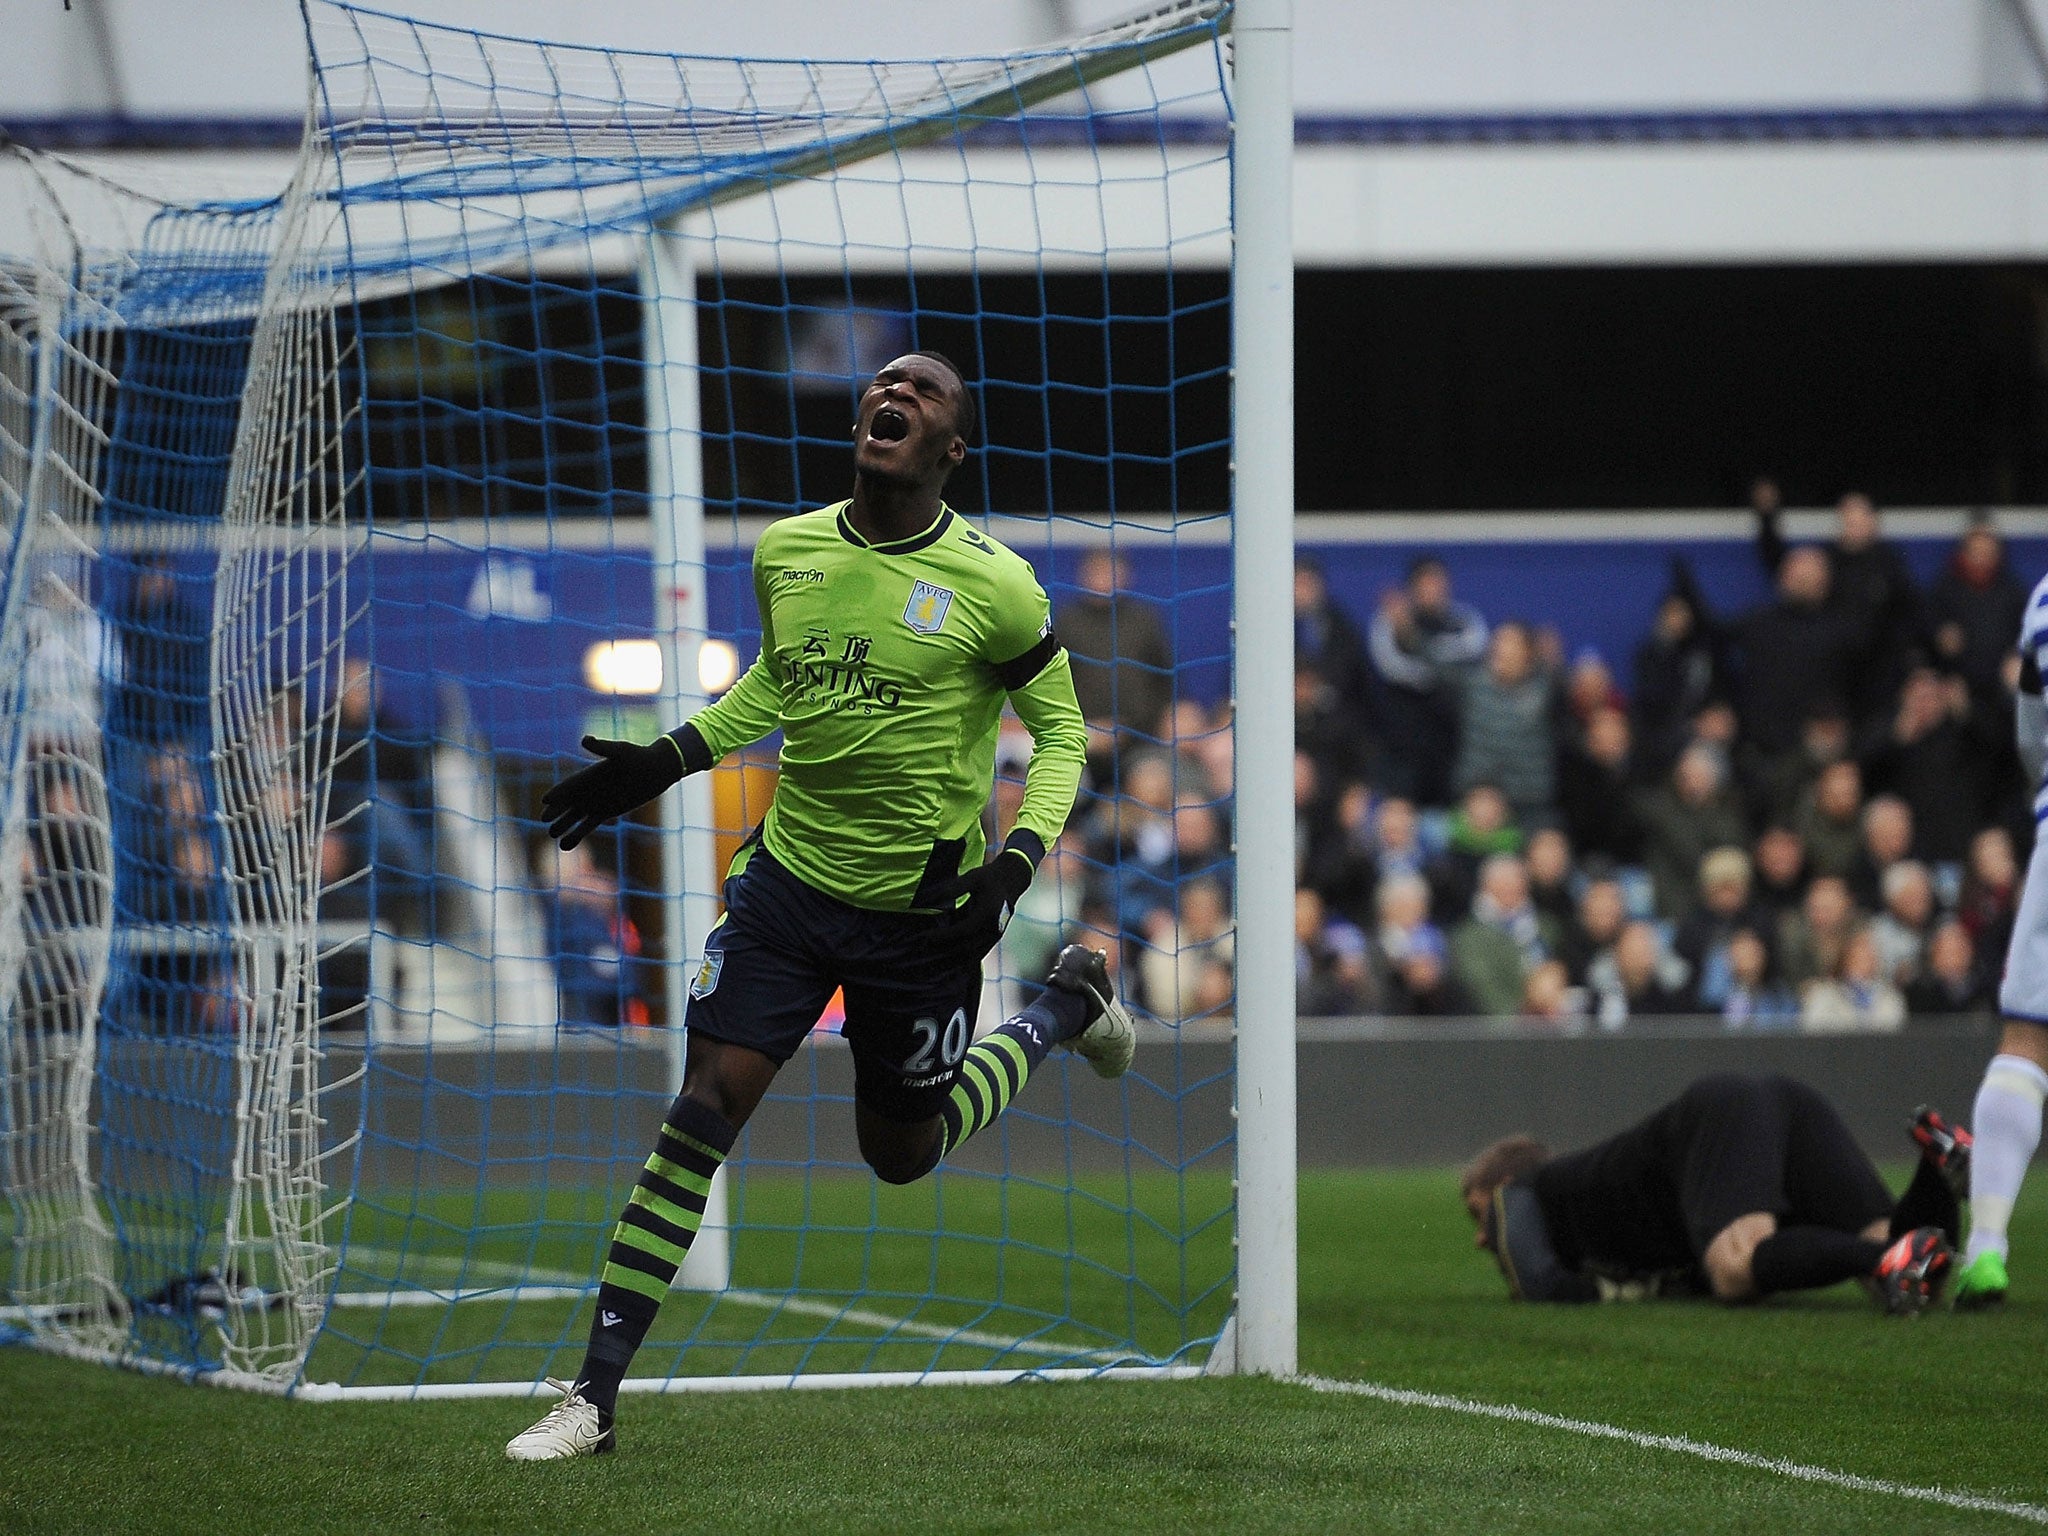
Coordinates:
[119,729]
[1808,815]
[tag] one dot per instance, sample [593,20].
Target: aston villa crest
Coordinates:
[927,608]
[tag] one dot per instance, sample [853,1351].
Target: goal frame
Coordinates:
[1259,1335]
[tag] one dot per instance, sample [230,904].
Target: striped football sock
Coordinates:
[997,1065]
[654,1232]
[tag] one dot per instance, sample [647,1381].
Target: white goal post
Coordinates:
[1262,452]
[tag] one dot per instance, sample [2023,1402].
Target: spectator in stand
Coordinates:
[1327,640]
[1766,496]
[374,869]
[1396,838]
[1697,811]
[177,881]
[1477,830]
[1493,950]
[1187,971]
[165,634]
[1343,867]
[72,656]
[375,754]
[1508,725]
[1144,870]
[1902,929]
[1811,940]
[1777,785]
[1792,655]
[1639,979]
[1422,644]
[1318,839]
[1422,985]
[1602,914]
[1778,882]
[1975,607]
[1829,820]
[174,794]
[1590,687]
[1123,667]
[1936,756]
[1144,808]
[1856,996]
[1332,971]
[1887,838]
[1403,910]
[1365,845]
[1870,589]
[1147,882]
[597,947]
[1596,788]
[1326,729]
[1724,910]
[1679,671]
[179,986]
[1547,996]
[1951,981]
[1719,727]
[1198,843]
[1184,732]
[1990,896]
[374,873]
[1549,860]
[1754,997]
[1213,746]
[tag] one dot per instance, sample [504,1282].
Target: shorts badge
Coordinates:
[927,607]
[706,981]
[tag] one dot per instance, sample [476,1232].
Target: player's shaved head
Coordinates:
[965,416]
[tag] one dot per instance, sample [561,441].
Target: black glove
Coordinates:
[1520,1239]
[974,927]
[625,778]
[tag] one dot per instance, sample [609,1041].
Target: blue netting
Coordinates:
[469,236]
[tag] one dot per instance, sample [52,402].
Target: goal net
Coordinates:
[333,519]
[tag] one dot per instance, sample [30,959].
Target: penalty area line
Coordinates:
[1681,1444]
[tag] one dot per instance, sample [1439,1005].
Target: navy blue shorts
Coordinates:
[782,948]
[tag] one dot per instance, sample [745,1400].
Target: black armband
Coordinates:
[1020,670]
[2030,673]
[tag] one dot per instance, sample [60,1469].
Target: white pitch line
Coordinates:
[807,1308]
[1684,1445]
[557,1285]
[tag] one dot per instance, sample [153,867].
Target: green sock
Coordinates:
[997,1065]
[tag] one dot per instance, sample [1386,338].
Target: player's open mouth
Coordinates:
[889,426]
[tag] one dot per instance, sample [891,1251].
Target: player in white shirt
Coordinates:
[2007,1126]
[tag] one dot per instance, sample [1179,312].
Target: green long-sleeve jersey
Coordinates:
[885,666]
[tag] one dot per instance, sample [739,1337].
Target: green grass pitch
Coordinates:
[1391,1293]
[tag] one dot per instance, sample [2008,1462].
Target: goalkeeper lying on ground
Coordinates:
[1739,1188]
[891,634]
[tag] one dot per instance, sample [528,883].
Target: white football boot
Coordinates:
[1111,1039]
[570,1428]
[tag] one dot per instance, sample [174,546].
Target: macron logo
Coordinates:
[610,1319]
